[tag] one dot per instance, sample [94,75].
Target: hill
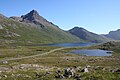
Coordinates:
[114,34]
[32,28]
[87,36]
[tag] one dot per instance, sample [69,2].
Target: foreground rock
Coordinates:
[69,72]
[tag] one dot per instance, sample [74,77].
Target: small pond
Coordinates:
[95,52]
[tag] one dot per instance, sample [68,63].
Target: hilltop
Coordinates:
[32,28]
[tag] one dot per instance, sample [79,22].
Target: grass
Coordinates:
[32,34]
[21,51]
[58,60]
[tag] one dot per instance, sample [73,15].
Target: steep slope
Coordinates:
[88,36]
[114,34]
[36,30]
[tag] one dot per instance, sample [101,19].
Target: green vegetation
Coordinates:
[24,33]
[45,67]
[87,35]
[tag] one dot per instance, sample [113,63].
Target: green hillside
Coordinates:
[87,35]
[12,31]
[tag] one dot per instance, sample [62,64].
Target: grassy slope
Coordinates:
[88,36]
[61,60]
[33,34]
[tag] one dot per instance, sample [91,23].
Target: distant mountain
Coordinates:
[34,17]
[114,34]
[87,36]
[32,28]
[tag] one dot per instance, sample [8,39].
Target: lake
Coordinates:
[63,44]
[71,44]
[95,52]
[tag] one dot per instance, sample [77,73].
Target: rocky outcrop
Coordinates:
[16,18]
[114,34]
[69,72]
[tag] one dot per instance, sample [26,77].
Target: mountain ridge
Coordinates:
[114,34]
[87,35]
[34,17]
[19,31]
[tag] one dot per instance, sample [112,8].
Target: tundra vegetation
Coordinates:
[59,64]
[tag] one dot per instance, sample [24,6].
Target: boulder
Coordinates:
[5,76]
[117,70]
[60,76]
[5,62]
[77,77]
[69,72]
[85,70]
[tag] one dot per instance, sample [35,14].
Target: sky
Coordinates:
[98,16]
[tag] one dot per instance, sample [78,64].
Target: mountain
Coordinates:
[32,28]
[114,34]
[87,36]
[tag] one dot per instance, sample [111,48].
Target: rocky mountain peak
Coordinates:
[31,16]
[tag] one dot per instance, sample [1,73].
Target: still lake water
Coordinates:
[95,52]
[71,44]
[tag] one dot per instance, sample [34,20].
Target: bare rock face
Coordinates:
[34,17]
[16,18]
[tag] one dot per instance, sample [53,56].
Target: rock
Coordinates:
[23,75]
[16,18]
[4,69]
[21,67]
[117,70]
[85,70]
[5,62]
[58,71]
[69,72]
[48,73]
[79,68]
[5,76]
[75,66]
[77,77]
[88,66]
[35,66]
[99,68]
[59,76]
[12,75]
[1,27]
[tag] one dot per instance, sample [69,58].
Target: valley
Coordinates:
[33,48]
[50,63]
